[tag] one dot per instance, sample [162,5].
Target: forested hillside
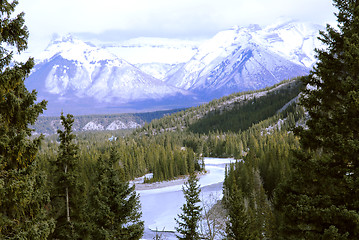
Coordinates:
[231,113]
[110,122]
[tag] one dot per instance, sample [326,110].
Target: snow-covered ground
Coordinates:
[161,205]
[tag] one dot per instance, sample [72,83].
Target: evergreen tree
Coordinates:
[249,212]
[191,212]
[114,206]
[23,196]
[321,201]
[238,226]
[68,193]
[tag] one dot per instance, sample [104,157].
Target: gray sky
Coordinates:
[160,18]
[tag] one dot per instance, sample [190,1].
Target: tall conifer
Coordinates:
[321,201]
[67,196]
[238,226]
[23,197]
[114,206]
[188,220]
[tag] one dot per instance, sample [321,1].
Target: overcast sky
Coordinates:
[161,18]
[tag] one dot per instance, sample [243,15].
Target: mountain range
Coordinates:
[143,74]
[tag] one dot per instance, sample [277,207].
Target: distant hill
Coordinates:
[236,112]
[109,122]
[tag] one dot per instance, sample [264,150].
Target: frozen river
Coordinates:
[160,206]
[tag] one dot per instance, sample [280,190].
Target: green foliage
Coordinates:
[114,208]
[67,195]
[250,183]
[242,115]
[23,195]
[249,211]
[208,117]
[239,221]
[188,220]
[321,199]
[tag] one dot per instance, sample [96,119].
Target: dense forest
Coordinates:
[296,150]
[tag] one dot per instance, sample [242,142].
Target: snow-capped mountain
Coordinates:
[155,73]
[70,71]
[249,58]
[293,40]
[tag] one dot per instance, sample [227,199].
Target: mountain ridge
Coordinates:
[246,58]
[79,76]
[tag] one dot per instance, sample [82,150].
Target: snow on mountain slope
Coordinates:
[249,58]
[70,68]
[93,126]
[115,125]
[157,70]
[154,56]
[153,50]
[293,40]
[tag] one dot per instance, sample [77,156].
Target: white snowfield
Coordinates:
[160,206]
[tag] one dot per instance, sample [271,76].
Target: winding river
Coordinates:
[161,205]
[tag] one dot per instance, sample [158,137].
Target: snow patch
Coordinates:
[93,126]
[272,128]
[132,124]
[115,125]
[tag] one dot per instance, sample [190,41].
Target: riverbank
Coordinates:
[156,185]
[161,202]
[140,186]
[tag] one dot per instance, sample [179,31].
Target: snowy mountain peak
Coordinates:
[245,58]
[71,48]
[293,40]
[56,39]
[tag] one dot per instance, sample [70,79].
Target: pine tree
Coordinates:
[67,196]
[188,220]
[321,200]
[238,226]
[114,206]
[23,196]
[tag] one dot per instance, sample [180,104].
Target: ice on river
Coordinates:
[161,206]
